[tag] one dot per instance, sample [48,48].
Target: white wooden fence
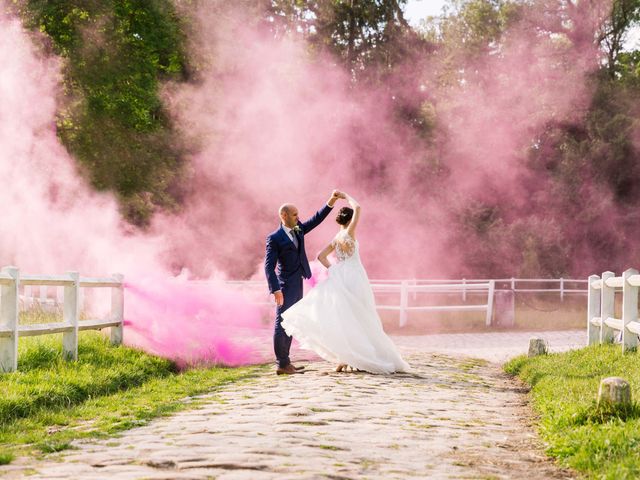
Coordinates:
[11,330]
[406,289]
[45,297]
[602,325]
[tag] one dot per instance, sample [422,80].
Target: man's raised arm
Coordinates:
[321,214]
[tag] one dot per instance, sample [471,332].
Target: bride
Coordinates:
[338,318]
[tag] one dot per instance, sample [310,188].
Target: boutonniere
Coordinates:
[297,229]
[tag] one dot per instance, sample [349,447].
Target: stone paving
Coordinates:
[454,417]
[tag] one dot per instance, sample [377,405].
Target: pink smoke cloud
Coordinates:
[277,124]
[194,323]
[52,222]
[274,124]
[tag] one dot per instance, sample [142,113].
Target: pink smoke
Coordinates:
[193,323]
[319,273]
[52,223]
[275,124]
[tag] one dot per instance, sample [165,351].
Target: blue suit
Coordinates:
[293,266]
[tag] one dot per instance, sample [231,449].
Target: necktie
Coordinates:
[295,239]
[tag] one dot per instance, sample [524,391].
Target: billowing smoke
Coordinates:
[272,123]
[278,124]
[51,222]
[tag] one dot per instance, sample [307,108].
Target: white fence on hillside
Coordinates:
[602,324]
[11,330]
[410,289]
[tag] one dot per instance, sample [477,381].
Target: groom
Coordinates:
[285,247]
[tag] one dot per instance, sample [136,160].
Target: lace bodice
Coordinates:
[344,245]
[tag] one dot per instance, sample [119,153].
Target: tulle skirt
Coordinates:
[338,320]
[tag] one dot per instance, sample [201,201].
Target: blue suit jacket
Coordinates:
[292,262]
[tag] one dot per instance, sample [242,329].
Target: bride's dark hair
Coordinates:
[344,215]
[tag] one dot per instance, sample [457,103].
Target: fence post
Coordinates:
[513,284]
[27,294]
[492,287]
[70,316]
[561,289]
[464,290]
[42,292]
[629,310]
[504,308]
[9,321]
[117,309]
[593,310]
[81,299]
[404,302]
[607,305]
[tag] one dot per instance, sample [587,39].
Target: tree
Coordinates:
[625,14]
[113,120]
[364,35]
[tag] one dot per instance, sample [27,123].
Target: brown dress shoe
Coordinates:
[297,368]
[288,370]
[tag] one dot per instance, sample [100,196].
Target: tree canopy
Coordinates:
[120,52]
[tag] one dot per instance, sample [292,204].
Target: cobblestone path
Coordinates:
[455,417]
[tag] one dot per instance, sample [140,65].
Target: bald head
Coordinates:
[288,215]
[286,208]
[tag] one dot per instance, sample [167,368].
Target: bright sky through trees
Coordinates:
[416,10]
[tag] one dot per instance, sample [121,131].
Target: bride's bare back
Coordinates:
[344,243]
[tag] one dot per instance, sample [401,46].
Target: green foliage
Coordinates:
[598,440]
[368,36]
[53,446]
[625,15]
[114,122]
[119,52]
[50,402]
[628,67]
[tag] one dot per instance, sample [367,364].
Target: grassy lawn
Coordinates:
[48,402]
[564,388]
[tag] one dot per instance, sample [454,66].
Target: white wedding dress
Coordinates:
[338,318]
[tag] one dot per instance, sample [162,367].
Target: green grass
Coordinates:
[600,442]
[49,402]
[6,458]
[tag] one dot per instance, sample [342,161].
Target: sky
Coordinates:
[416,10]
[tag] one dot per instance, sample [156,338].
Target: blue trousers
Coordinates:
[292,292]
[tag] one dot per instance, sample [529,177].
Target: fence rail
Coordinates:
[602,324]
[464,287]
[404,288]
[11,330]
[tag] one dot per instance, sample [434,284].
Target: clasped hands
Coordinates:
[338,194]
[335,195]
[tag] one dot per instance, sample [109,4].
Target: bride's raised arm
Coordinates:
[351,230]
